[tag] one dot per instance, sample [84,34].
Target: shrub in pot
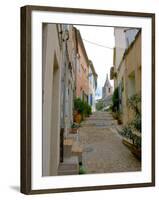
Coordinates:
[81,109]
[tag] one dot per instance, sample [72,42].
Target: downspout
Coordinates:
[76,46]
[65,39]
[62,132]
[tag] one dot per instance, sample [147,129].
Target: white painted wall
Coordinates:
[51,101]
[120,44]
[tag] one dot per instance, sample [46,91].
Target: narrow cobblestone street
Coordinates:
[103,150]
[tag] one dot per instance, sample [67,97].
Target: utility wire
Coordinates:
[94,43]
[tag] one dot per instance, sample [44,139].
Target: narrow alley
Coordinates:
[103,150]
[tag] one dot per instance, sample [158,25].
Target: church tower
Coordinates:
[107,89]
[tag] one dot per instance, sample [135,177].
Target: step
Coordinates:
[73,148]
[70,166]
[73,130]
[73,136]
[68,142]
[77,150]
[67,146]
[71,160]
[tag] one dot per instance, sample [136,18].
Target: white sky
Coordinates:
[102,58]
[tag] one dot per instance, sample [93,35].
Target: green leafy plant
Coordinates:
[99,105]
[79,105]
[134,103]
[136,123]
[75,125]
[81,169]
[82,107]
[87,109]
[115,100]
[127,132]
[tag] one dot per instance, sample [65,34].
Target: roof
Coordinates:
[93,69]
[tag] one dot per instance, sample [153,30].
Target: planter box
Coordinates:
[136,151]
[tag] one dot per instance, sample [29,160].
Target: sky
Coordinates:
[101,57]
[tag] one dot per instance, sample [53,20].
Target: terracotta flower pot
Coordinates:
[78,118]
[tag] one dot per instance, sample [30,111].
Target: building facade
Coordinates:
[126,71]
[59,64]
[51,87]
[82,71]
[92,86]
[68,76]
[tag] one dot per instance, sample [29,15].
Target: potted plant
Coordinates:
[74,128]
[81,110]
[78,110]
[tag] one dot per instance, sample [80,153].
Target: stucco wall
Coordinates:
[131,70]
[51,100]
[82,74]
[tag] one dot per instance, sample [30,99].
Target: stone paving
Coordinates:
[103,150]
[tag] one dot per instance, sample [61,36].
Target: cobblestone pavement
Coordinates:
[103,151]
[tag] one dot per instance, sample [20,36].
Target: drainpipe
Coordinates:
[76,59]
[65,38]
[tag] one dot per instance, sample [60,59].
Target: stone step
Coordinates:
[73,130]
[72,147]
[101,124]
[68,142]
[76,148]
[73,136]
[71,160]
[101,119]
[70,166]
[67,147]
